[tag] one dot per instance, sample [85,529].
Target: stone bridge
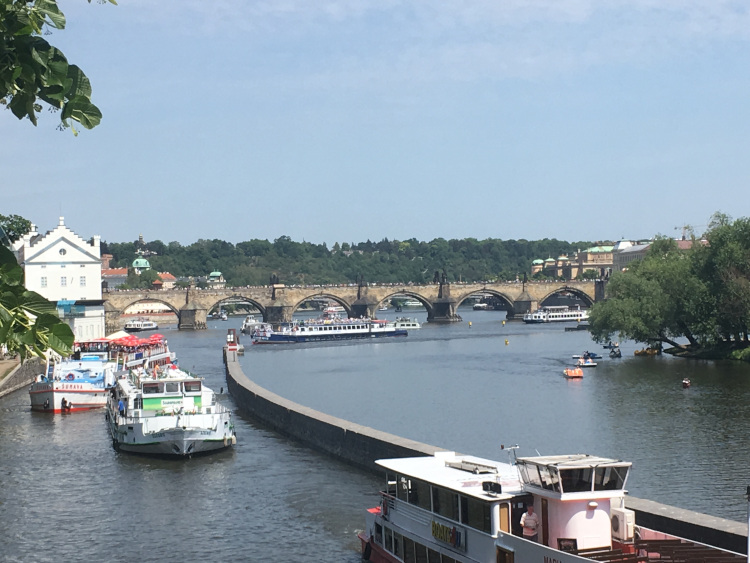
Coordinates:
[277,303]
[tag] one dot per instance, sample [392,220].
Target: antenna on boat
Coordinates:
[511,450]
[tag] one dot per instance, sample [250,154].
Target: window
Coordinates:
[609,478]
[44,282]
[63,281]
[445,503]
[151,388]
[476,514]
[389,539]
[433,556]
[172,387]
[63,252]
[192,386]
[576,480]
[408,551]
[419,493]
[83,281]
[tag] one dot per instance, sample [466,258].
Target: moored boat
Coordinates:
[451,508]
[167,411]
[81,381]
[556,313]
[326,329]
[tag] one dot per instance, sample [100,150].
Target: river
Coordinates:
[65,493]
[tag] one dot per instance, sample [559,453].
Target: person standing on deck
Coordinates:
[530,523]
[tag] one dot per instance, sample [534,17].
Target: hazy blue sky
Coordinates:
[345,121]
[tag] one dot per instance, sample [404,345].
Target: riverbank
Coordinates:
[726,351]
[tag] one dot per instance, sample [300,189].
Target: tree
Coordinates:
[29,324]
[14,226]
[659,299]
[32,70]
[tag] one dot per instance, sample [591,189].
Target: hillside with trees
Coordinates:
[388,261]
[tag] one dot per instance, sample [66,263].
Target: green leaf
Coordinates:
[50,9]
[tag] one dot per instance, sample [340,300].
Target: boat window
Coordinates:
[390,483]
[398,545]
[609,478]
[504,556]
[388,540]
[403,488]
[524,472]
[419,493]
[445,503]
[420,553]
[447,559]
[172,387]
[476,514]
[151,388]
[378,534]
[576,480]
[433,556]
[408,551]
[533,474]
[550,479]
[192,386]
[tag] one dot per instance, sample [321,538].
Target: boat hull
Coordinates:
[48,396]
[294,338]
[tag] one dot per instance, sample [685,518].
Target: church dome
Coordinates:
[141,264]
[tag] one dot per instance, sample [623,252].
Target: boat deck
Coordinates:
[662,551]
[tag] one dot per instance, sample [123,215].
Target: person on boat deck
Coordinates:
[530,524]
[121,408]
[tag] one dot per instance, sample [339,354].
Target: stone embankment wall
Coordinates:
[22,376]
[361,446]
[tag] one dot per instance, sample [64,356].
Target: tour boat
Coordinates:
[250,324]
[70,385]
[407,323]
[556,313]
[481,306]
[326,329]
[168,412]
[80,382]
[412,303]
[450,508]
[138,325]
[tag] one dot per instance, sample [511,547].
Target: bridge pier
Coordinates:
[443,311]
[111,318]
[524,304]
[279,313]
[192,317]
[365,307]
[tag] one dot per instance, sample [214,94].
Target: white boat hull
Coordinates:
[47,396]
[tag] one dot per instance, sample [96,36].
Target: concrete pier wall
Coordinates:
[22,376]
[361,446]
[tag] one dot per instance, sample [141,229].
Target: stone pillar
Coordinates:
[364,307]
[279,313]
[111,318]
[600,287]
[443,311]
[524,304]
[192,317]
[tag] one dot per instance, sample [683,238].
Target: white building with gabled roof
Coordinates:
[63,267]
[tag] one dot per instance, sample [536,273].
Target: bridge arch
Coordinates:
[411,295]
[149,300]
[582,295]
[330,297]
[237,297]
[498,294]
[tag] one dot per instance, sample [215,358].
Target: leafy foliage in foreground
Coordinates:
[29,324]
[32,70]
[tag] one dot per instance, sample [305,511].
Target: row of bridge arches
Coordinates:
[496,299]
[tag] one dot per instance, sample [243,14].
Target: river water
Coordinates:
[66,494]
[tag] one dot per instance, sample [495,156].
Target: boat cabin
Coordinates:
[576,497]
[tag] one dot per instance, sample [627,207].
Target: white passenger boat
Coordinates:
[326,329]
[81,381]
[481,306]
[451,508]
[139,325]
[167,411]
[555,314]
[250,324]
[412,303]
[407,323]
[70,385]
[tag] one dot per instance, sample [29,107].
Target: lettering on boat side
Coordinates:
[447,534]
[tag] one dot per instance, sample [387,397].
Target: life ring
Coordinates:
[70,377]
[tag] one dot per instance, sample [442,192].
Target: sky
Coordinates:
[343,121]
